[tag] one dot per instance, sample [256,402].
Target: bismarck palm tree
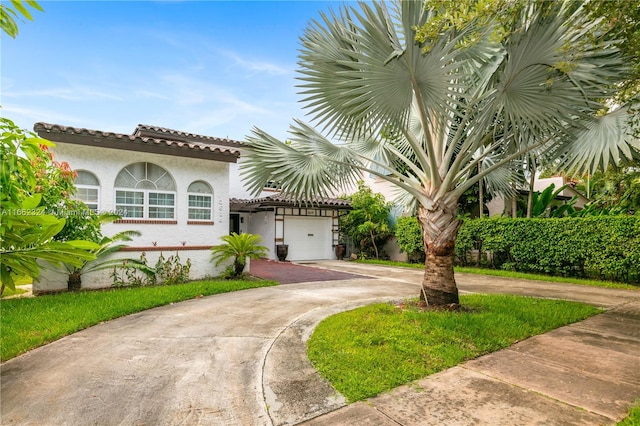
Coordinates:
[423,116]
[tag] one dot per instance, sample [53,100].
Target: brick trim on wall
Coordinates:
[200,222]
[165,248]
[147,221]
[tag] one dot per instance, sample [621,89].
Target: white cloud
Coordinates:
[77,93]
[26,117]
[254,66]
[151,94]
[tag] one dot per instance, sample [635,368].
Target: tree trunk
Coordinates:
[480,194]
[439,229]
[532,181]
[514,202]
[238,268]
[74,282]
[375,247]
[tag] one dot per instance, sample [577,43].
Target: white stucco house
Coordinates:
[183,192]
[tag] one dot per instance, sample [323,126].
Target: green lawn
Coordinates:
[27,323]
[511,274]
[633,419]
[375,348]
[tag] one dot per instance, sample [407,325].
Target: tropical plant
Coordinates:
[106,246]
[27,231]
[17,10]
[367,223]
[422,116]
[171,271]
[546,204]
[239,247]
[621,20]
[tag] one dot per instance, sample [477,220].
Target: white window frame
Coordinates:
[95,187]
[208,195]
[198,208]
[146,195]
[145,203]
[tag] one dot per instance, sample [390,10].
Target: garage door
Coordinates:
[309,238]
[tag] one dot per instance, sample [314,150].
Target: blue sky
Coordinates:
[210,67]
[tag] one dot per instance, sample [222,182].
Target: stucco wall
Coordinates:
[195,238]
[263,224]
[54,279]
[107,163]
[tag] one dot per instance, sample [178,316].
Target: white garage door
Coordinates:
[309,238]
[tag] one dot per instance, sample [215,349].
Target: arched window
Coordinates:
[200,201]
[145,191]
[88,189]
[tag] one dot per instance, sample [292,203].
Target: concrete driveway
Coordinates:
[218,360]
[239,359]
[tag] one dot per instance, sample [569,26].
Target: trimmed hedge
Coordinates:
[599,247]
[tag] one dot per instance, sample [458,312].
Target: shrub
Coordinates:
[167,271]
[367,223]
[600,247]
[409,236]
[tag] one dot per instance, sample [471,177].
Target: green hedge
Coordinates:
[600,247]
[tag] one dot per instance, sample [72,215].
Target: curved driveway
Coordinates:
[231,359]
[211,361]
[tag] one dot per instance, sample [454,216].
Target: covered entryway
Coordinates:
[309,238]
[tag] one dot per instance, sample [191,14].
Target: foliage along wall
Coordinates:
[599,247]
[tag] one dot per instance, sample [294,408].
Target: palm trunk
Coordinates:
[74,282]
[238,268]
[439,230]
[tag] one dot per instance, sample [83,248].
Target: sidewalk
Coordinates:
[586,373]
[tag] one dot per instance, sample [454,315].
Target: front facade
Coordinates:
[175,192]
[181,192]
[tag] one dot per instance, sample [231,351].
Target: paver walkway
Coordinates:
[239,359]
[291,273]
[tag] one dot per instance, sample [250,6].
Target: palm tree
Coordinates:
[239,247]
[423,116]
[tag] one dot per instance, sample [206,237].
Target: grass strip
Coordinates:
[26,323]
[633,418]
[8,292]
[375,348]
[512,274]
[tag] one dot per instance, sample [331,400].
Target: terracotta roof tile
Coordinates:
[287,199]
[155,131]
[136,142]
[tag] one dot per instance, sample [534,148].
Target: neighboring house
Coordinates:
[175,188]
[499,206]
